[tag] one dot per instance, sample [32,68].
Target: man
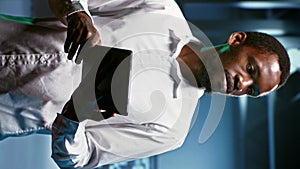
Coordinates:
[170,71]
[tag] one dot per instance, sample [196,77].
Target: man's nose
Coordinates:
[244,82]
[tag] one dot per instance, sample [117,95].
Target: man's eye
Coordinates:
[250,68]
[250,91]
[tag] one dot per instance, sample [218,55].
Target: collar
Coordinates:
[175,71]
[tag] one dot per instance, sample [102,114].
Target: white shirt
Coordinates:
[161,102]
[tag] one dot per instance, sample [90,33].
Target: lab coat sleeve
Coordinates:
[78,145]
[63,8]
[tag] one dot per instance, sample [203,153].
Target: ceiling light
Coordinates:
[274,32]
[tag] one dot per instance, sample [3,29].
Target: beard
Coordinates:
[213,81]
[203,80]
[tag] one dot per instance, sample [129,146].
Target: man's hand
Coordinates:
[69,111]
[80,29]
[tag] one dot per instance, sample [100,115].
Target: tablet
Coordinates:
[103,91]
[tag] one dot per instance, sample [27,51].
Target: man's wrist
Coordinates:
[78,13]
[63,125]
[73,7]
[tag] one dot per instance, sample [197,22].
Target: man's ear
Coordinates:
[236,38]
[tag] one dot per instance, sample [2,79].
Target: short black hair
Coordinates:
[268,43]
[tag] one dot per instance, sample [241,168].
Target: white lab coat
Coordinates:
[161,102]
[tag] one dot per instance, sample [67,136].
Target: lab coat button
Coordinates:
[11,61]
[42,60]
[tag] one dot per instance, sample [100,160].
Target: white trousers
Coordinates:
[36,79]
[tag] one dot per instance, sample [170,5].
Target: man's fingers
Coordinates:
[72,43]
[73,50]
[84,41]
[70,32]
[67,43]
[77,38]
[80,54]
[72,36]
[96,40]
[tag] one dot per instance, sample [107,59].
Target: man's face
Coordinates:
[250,71]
